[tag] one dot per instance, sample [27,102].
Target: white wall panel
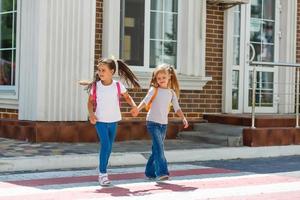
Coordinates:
[57,50]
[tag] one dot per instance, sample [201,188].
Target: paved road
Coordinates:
[14,148]
[267,178]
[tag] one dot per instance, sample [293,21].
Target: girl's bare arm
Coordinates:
[92,116]
[134,111]
[141,106]
[129,99]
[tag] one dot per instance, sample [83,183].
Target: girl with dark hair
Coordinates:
[104,106]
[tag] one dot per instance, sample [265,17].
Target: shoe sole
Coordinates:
[164,178]
[106,185]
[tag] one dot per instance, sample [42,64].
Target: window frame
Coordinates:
[147,38]
[163,40]
[9,93]
[190,66]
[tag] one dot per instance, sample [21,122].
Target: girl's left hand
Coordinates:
[185,122]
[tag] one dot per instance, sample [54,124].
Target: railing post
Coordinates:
[253,96]
[297,97]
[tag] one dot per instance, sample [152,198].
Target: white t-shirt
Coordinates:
[108,109]
[160,106]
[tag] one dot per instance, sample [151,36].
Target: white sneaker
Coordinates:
[103,180]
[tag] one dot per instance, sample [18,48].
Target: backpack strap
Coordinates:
[94,96]
[170,104]
[119,92]
[148,106]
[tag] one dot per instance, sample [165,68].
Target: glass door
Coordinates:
[262,36]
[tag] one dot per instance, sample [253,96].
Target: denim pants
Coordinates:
[106,134]
[157,163]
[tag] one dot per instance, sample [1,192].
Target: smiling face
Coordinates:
[105,73]
[162,79]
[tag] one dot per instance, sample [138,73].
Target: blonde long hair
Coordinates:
[168,69]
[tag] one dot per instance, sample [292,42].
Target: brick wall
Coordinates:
[191,102]
[98,31]
[8,113]
[212,92]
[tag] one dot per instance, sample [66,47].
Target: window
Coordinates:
[8,19]
[162,32]
[236,57]
[145,33]
[132,31]
[262,29]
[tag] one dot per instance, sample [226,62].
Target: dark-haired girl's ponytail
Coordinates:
[125,73]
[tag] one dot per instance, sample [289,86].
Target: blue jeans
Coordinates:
[106,134]
[157,164]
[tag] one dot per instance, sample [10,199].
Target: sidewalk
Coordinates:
[24,156]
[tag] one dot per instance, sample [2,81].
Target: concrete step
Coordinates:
[221,129]
[212,138]
[261,120]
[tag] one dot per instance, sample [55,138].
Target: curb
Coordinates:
[40,163]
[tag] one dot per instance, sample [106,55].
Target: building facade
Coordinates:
[47,46]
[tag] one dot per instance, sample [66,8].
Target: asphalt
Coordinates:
[24,156]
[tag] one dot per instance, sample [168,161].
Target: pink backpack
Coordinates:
[94,89]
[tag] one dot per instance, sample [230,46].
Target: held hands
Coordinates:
[134,111]
[93,118]
[185,123]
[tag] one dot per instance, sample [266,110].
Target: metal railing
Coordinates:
[255,64]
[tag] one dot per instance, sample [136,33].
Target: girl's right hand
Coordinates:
[93,118]
[134,111]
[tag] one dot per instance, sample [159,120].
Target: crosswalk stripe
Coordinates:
[88,172]
[189,190]
[76,179]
